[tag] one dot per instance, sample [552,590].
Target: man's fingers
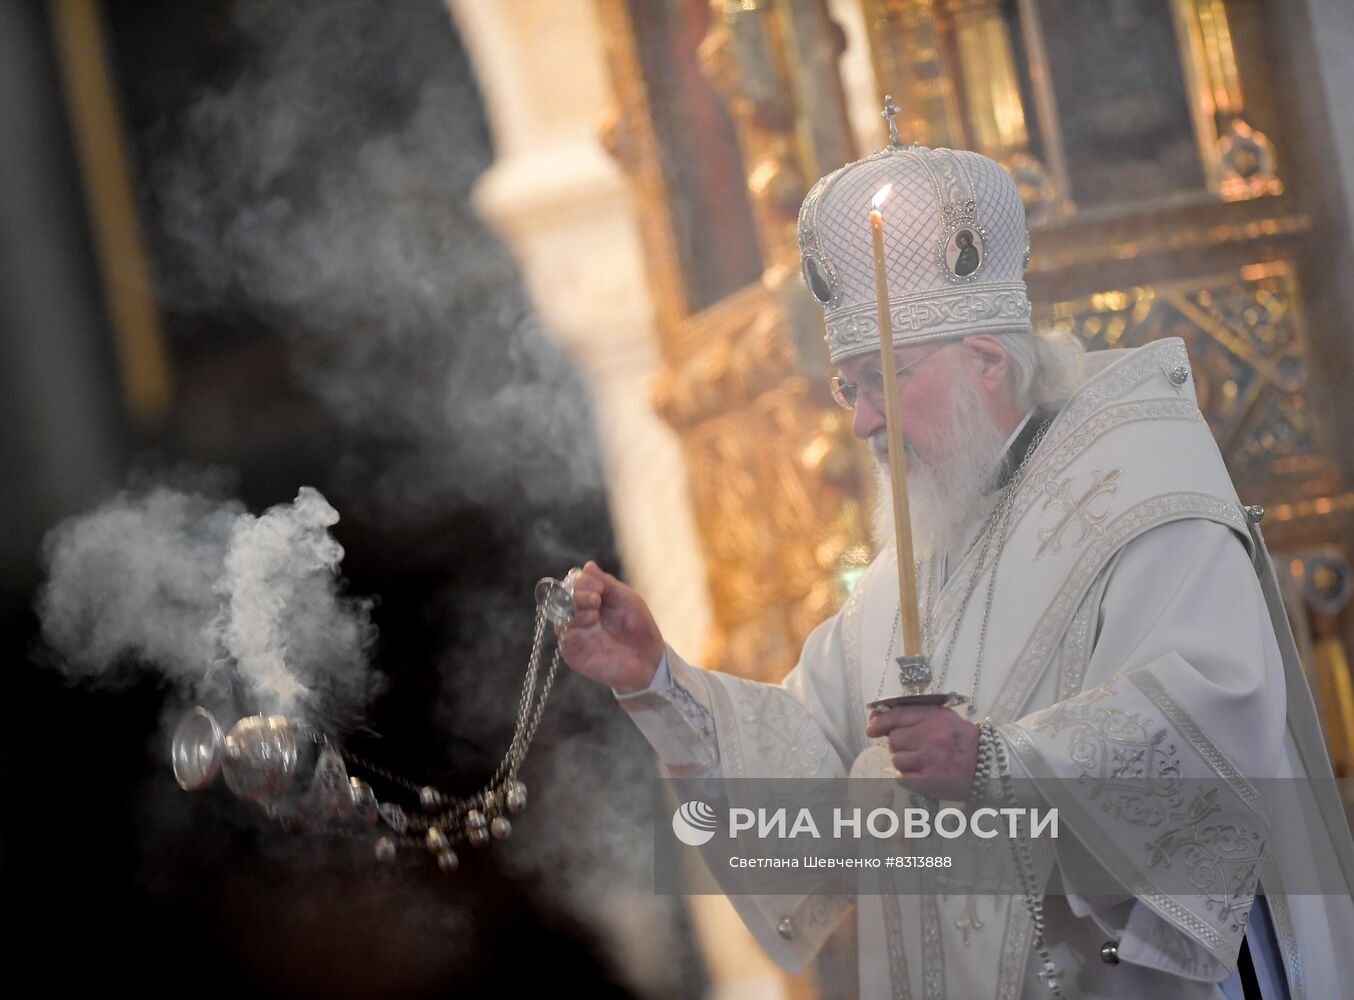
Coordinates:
[905,738]
[900,716]
[910,762]
[587,599]
[585,618]
[876,724]
[588,583]
[593,581]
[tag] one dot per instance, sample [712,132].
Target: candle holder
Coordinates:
[914,675]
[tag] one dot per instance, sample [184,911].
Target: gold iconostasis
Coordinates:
[1165,192]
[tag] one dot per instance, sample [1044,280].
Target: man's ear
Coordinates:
[989,357]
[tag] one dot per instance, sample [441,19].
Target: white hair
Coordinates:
[1045,369]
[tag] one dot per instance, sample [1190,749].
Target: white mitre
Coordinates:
[955,248]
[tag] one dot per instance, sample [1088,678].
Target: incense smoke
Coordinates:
[324,189]
[217,600]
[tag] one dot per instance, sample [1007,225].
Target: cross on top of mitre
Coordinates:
[890,112]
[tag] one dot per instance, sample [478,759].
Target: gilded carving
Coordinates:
[767,487]
[778,488]
[1238,158]
[773,486]
[1250,360]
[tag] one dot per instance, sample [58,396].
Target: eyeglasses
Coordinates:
[871,385]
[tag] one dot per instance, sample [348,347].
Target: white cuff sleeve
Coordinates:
[674,716]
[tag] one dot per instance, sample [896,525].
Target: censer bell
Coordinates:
[296,774]
[286,768]
[195,751]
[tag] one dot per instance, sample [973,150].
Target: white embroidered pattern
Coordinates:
[1176,714]
[1076,510]
[899,978]
[725,718]
[851,618]
[1222,859]
[990,307]
[1167,907]
[1076,646]
[932,949]
[789,741]
[1052,459]
[1015,950]
[1052,625]
[1131,768]
[1127,761]
[697,715]
[1225,852]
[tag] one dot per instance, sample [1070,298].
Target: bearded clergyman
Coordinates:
[1087,579]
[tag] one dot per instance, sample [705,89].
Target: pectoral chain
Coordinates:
[993,540]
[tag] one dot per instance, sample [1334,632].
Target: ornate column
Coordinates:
[770,482]
[559,201]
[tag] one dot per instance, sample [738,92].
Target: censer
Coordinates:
[299,775]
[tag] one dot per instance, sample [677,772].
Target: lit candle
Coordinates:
[902,518]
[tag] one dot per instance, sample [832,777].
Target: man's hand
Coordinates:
[934,749]
[613,638]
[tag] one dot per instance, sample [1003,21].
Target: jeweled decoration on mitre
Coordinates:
[956,247]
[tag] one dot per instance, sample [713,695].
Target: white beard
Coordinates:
[947,496]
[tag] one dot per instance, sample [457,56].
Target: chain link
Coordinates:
[378,771]
[1008,505]
[530,709]
[1024,859]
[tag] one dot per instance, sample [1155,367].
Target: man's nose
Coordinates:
[868,419]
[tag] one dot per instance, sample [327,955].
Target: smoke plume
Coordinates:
[221,602]
[327,189]
[324,190]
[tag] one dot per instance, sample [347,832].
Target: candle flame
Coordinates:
[880,195]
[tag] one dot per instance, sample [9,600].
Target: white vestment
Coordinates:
[1135,617]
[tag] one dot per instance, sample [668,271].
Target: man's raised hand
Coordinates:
[613,638]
